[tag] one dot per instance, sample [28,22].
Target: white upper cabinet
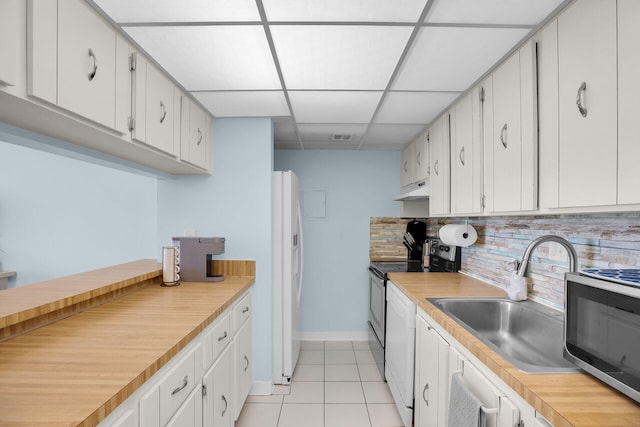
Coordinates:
[195,135]
[407,165]
[160,111]
[86,63]
[466,155]
[588,104]
[548,125]
[512,151]
[9,36]
[421,156]
[439,176]
[628,107]
[42,50]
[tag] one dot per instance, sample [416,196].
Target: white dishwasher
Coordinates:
[400,350]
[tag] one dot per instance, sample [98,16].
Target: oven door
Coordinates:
[602,331]
[377,304]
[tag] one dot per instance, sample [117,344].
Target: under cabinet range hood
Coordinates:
[416,191]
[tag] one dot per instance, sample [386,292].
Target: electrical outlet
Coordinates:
[557,252]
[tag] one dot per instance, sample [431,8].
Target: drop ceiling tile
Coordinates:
[285,131]
[452,58]
[390,136]
[244,103]
[180,11]
[333,107]
[344,11]
[233,57]
[338,57]
[322,133]
[413,107]
[514,12]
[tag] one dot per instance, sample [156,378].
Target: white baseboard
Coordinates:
[261,388]
[335,336]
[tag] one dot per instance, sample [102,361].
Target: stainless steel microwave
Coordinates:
[602,327]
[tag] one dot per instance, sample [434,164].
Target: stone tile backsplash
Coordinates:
[601,240]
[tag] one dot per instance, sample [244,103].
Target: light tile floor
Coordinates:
[335,384]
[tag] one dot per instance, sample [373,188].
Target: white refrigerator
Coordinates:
[287,275]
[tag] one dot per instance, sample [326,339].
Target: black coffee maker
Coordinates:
[414,239]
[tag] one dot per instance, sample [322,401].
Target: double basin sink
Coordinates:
[528,335]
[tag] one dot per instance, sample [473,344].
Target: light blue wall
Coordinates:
[358,185]
[61,216]
[234,203]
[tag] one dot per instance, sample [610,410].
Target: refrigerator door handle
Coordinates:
[301,254]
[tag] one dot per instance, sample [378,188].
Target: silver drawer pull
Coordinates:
[244,310]
[424,390]
[503,135]
[93,72]
[461,156]
[222,337]
[177,390]
[226,405]
[163,112]
[199,137]
[581,107]
[247,360]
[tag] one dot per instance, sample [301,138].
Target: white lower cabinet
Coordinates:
[438,357]
[190,413]
[205,384]
[217,399]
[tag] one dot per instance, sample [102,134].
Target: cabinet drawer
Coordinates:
[217,339]
[189,414]
[242,311]
[176,386]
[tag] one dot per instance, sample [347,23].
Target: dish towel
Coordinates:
[464,407]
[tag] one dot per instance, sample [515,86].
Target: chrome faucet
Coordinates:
[573,256]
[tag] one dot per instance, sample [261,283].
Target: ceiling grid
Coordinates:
[373,72]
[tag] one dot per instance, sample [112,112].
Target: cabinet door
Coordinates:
[198,150]
[190,413]
[628,95]
[243,366]
[216,407]
[86,63]
[407,165]
[124,52]
[587,81]
[548,125]
[507,149]
[42,50]
[421,157]
[431,388]
[466,155]
[9,36]
[159,111]
[439,177]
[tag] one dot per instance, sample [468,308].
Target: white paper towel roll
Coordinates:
[458,234]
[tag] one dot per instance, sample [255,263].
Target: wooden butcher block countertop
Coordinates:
[564,399]
[77,369]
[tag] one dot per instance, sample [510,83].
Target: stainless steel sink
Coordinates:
[526,334]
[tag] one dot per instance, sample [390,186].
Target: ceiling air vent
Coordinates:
[340,137]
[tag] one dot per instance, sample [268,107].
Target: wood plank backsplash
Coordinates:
[601,240]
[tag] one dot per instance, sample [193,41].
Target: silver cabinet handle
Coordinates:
[247,360]
[404,166]
[461,156]
[226,405]
[424,390]
[435,167]
[177,390]
[163,112]
[93,72]
[503,135]
[418,157]
[579,96]
[223,336]
[199,137]
[244,310]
